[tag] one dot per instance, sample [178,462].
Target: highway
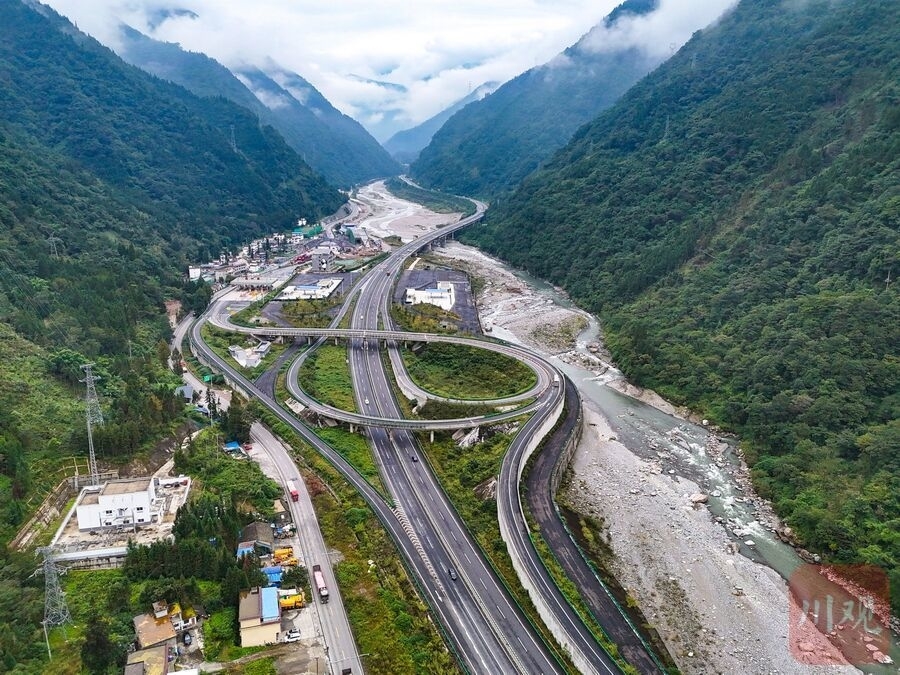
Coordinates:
[340,645]
[483,625]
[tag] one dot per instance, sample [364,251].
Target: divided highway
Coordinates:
[484,626]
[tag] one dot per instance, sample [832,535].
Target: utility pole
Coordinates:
[56,611]
[94,416]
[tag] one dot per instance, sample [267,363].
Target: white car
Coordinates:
[291,636]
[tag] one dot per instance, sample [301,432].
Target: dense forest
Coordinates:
[111,182]
[734,222]
[334,144]
[492,144]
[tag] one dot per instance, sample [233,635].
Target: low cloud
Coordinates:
[659,33]
[434,51]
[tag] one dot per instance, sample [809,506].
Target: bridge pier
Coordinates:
[432,435]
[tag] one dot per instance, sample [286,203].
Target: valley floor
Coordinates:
[716,610]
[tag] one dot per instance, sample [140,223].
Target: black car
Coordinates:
[187,639]
[452,573]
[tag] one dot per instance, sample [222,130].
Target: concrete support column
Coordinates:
[432,435]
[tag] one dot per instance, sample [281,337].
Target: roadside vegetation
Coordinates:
[463,372]
[468,478]
[424,318]
[436,201]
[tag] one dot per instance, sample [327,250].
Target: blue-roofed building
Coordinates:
[260,616]
[274,574]
[232,446]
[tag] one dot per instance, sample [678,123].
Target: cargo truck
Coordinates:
[281,553]
[291,601]
[319,581]
[292,491]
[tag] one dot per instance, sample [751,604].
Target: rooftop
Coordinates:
[259,604]
[152,661]
[152,631]
[121,487]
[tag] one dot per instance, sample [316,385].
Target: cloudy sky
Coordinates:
[390,64]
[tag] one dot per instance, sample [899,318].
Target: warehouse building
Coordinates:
[444,295]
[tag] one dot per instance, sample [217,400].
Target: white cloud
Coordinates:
[661,32]
[435,49]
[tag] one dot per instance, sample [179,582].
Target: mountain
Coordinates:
[492,144]
[332,143]
[406,145]
[111,182]
[733,220]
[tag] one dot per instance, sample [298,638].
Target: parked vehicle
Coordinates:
[280,554]
[291,601]
[292,635]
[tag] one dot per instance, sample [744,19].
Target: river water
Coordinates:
[678,445]
[685,450]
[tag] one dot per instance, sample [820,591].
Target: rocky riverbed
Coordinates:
[716,610]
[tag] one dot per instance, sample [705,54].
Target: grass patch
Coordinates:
[325,375]
[561,336]
[463,372]
[239,481]
[261,666]
[221,638]
[310,313]
[355,449]
[424,318]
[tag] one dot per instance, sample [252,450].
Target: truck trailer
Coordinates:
[292,491]
[319,581]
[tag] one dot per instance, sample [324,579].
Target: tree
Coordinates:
[97,651]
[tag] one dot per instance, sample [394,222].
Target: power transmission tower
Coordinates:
[53,241]
[56,611]
[233,142]
[94,416]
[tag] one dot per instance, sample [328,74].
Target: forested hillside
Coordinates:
[111,181]
[332,143]
[492,144]
[734,221]
[406,145]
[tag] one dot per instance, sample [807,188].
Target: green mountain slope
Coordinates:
[734,221]
[332,143]
[154,141]
[406,145]
[111,181]
[492,144]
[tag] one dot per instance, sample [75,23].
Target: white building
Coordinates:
[118,502]
[443,296]
[318,291]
